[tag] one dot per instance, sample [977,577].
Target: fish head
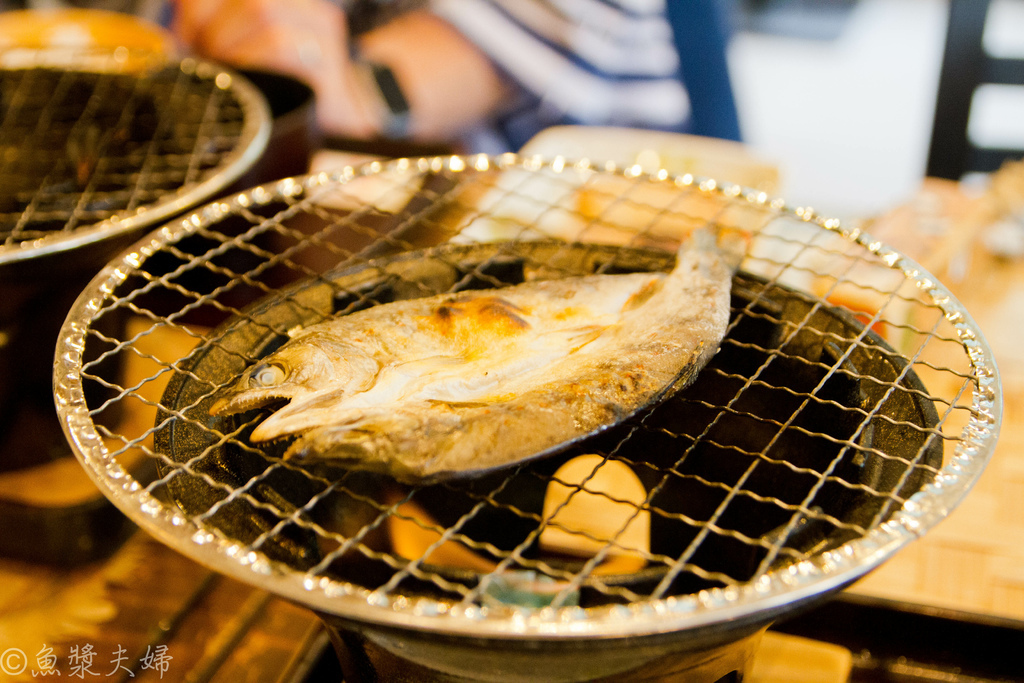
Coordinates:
[294,373]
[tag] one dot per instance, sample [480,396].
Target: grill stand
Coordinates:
[369,653]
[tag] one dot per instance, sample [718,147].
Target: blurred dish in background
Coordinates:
[63,32]
[651,150]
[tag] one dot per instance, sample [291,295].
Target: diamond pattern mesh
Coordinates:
[81,147]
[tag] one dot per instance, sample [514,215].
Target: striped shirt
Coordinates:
[593,62]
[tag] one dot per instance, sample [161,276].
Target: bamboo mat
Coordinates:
[973,561]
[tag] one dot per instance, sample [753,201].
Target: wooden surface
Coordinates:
[169,619]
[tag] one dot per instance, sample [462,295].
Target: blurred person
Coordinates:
[486,74]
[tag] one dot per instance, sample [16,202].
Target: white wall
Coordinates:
[848,121]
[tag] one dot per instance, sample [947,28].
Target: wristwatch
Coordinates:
[395,107]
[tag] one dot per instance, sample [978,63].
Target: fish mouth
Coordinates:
[235,403]
[299,414]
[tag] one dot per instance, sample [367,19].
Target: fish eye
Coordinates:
[266,375]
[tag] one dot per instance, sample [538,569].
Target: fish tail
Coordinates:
[725,244]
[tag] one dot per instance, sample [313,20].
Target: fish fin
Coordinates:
[439,361]
[577,337]
[642,295]
[458,404]
[730,244]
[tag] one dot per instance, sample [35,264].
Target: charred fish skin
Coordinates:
[461,384]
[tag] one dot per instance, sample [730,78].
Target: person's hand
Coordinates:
[307,39]
[448,83]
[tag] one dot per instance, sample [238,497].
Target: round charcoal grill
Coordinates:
[117,142]
[851,406]
[95,146]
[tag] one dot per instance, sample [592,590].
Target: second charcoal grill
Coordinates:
[92,155]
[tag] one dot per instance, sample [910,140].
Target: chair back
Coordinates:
[966,66]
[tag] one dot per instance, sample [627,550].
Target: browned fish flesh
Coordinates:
[459,384]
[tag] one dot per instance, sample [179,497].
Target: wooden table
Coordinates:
[145,614]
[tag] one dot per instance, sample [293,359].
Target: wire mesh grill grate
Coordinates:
[849,407]
[131,145]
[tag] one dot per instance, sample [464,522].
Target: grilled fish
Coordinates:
[459,384]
